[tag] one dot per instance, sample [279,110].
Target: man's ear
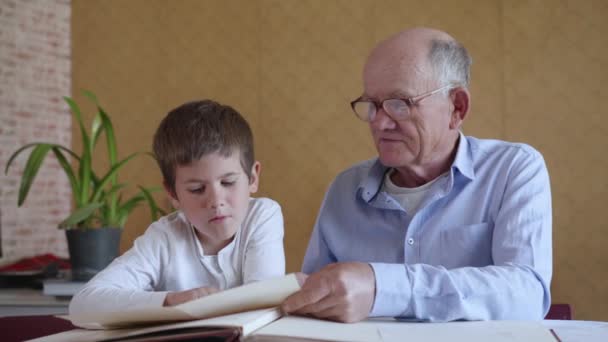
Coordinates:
[254,179]
[461,101]
[172,195]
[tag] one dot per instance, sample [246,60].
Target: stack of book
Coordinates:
[62,285]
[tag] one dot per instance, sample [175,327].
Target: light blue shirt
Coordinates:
[478,248]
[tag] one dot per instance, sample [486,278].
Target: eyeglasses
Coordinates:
[398,109]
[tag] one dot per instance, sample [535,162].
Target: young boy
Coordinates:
[217,239]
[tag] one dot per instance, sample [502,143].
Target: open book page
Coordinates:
[477,331]
[246,322]
[261,294]
[292,328]
[304,328]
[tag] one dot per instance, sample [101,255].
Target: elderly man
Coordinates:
[441,226]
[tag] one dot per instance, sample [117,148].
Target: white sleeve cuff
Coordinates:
[156,299]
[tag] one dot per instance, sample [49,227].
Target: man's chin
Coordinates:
[392,160]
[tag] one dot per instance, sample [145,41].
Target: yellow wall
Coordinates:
[291,67]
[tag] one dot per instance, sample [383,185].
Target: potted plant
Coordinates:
[94,227]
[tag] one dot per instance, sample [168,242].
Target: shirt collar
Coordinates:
[371,185]
[464,158]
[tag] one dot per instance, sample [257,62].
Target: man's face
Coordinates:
[424,135]
[213,193]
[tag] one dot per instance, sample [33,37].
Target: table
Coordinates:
[588,331]
[21,328]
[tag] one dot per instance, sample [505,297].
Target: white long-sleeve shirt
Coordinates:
[168,257]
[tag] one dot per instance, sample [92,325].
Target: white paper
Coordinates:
[262,294]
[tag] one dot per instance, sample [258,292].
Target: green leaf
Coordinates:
[80,215]
[96,126]
[84,171]
[132,202]
[67,168]
[15,154]
[103,216]
[91,96]
[110,137]
[22,148]
[95,180]
[31,170]
[35,161]
[126,208]
[114,189]
[104,181]
[155,211]
[86,175]
[96,129]
[122,221]
[78,114]
[112,155]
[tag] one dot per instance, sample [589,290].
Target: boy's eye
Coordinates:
[197,190]
[228,183]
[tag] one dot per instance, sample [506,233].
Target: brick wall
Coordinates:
[34,75]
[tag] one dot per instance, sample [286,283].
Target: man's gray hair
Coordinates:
[451,62]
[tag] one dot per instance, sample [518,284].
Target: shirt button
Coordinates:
[410,241]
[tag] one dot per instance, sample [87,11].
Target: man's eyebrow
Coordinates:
[397,94]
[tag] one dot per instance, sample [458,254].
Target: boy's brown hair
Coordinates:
[196,129]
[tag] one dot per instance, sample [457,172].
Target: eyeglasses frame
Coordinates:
[409,101]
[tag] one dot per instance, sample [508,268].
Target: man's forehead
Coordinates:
[390,80]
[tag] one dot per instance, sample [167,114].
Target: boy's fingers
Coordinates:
[211,290]
[202,292]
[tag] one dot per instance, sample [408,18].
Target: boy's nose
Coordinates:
[215,199]
[216,204]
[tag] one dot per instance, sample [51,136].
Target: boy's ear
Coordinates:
[172,195]
[254,179]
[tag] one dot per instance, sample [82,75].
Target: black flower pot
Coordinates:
[91,250]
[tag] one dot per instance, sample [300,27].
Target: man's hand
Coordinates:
[341,292]
[174,298]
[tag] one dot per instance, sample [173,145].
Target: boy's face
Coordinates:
[213,193]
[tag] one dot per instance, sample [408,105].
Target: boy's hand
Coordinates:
[174,298]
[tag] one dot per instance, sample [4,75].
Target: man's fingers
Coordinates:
[326,303]
[304,297]
[301,278]
[339,313]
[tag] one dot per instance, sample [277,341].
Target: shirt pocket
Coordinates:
[469,245]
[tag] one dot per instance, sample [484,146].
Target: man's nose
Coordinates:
[382,121]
